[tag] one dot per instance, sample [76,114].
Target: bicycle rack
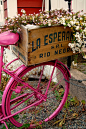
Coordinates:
[11,63]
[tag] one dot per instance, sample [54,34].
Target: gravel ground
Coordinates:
[78,122]
[75,119]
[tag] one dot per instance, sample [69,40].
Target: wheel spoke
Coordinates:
[22,101]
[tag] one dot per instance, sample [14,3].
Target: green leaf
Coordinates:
[1,92]
[72,100]
[7,126]
[27,101]
[16,117]
[62,93]
[61,123]
[25,126]
[13,96]
[83,101]
[4,127]
[67,103]
[6,79]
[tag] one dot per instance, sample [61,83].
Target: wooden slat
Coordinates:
[29,3]
[49,34]
[45,53]
[23,43]
[53,57]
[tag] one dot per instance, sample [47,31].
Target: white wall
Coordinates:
[1,14]
[56,4]
[12,8]
[77,5]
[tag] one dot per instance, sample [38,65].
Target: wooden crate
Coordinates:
[38,45]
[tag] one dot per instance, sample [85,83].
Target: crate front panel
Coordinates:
[48,44]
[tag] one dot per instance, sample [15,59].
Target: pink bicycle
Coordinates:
[34,101]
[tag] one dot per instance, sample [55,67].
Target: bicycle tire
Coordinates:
[64,86]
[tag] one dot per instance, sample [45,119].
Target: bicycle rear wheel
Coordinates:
[19,96]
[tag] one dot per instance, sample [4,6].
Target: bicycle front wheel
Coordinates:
[36,108]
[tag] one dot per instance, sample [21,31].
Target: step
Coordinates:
[78,91]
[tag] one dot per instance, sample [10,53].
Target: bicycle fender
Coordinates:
[65,68]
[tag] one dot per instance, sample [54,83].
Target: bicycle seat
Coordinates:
[8,38]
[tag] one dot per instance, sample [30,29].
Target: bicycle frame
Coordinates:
[11,73]
[15,76]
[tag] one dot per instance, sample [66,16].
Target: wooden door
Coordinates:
[30,6]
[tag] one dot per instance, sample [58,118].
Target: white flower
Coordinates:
[84,30]
[36,14]
[72,23]
[74,17]
[77,27]
[23,21]
[78,45]
[33,18]
[77,35]
[18,15]
[81,18]
[57,18]
[84,23]
[74,64]
[49,22]
[47,15]
[69,24]
[71,14]
[84,56]
[44,22]
[71,45]
[23,11]
[41,17]
[73,49]
[63,19]
[77,22]
[64,23]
